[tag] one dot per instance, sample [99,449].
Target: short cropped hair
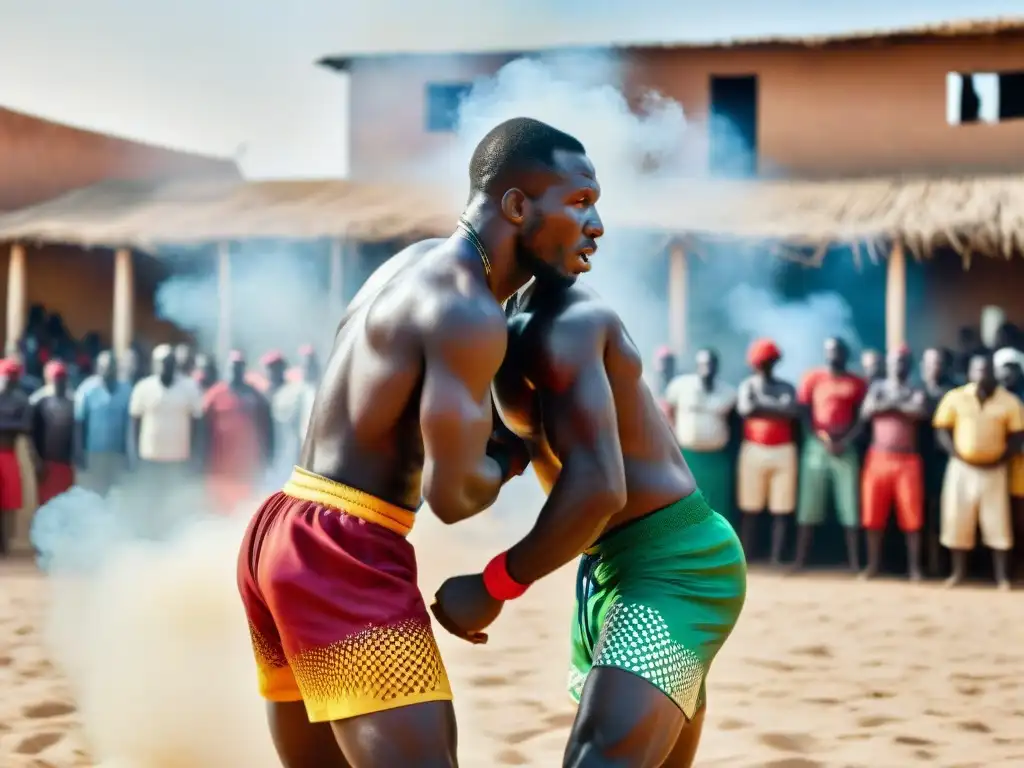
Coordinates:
[513,150]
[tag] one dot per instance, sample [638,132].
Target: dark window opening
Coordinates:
[733,126]
[984,97]
[442,107]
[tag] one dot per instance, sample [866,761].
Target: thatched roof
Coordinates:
[1000,27]
[980,214]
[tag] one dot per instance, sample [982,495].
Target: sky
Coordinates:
[237,78]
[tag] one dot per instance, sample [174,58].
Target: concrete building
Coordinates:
[936,101]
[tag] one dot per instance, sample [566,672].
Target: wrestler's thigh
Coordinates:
[300,743]
[623,721]
[685,750]
[416,736]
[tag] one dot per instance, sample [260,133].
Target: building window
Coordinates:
[443,102]
[984,97]
[732,126]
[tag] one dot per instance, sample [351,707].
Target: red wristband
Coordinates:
[497,581]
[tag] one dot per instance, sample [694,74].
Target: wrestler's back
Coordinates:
[656,473]
[364,430]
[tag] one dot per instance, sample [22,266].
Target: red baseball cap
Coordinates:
[763,351]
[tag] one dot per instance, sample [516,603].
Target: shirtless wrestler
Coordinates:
[893,475]
[662,579]
[341,634]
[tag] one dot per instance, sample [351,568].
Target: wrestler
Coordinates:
[981,426]
[893,469]
[53,433]
[15,421]
[663,577]
[833,396]
[767,472]
[239,440]
[342,637]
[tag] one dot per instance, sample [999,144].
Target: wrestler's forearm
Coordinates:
[570,521]
[455,499]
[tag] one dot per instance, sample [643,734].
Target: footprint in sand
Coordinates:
[787,742]
[794,762]
[6,661]
[825,702]
[879,695]
[536,706]
[913,741]
[489,681]
[511,757]
[47,709]
[731,724]
[560,720]
[973,726]
[23,630]
[814,651]
[520,736]
[970,690]
[876,721]
[36,743]
[924,754]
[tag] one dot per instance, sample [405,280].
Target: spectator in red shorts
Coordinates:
[894,470]
[53,433]
[15,420]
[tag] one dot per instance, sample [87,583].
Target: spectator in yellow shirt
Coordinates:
[981,426]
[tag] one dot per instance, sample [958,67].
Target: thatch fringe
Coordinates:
[973,215]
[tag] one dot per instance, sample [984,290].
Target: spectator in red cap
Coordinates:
[239,439]
[272,377]
[767,473]
[15,422]
[53,432]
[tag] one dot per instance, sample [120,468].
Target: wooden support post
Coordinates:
[677,289]
[124,302]
[17,296]
[896,298]
[224,313]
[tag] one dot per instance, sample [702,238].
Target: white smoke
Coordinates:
[734,296]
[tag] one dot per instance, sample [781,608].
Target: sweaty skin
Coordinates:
[404,412]
[571,386]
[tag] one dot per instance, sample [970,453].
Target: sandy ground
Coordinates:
[822,671]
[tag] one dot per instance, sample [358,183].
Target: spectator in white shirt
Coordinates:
[700,407]
[164,436]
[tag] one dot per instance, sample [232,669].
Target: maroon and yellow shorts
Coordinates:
[328,580]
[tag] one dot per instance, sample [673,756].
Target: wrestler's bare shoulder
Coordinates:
[582,315]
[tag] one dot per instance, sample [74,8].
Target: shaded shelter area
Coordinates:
[912,256]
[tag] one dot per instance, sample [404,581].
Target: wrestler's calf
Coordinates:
[625,722]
